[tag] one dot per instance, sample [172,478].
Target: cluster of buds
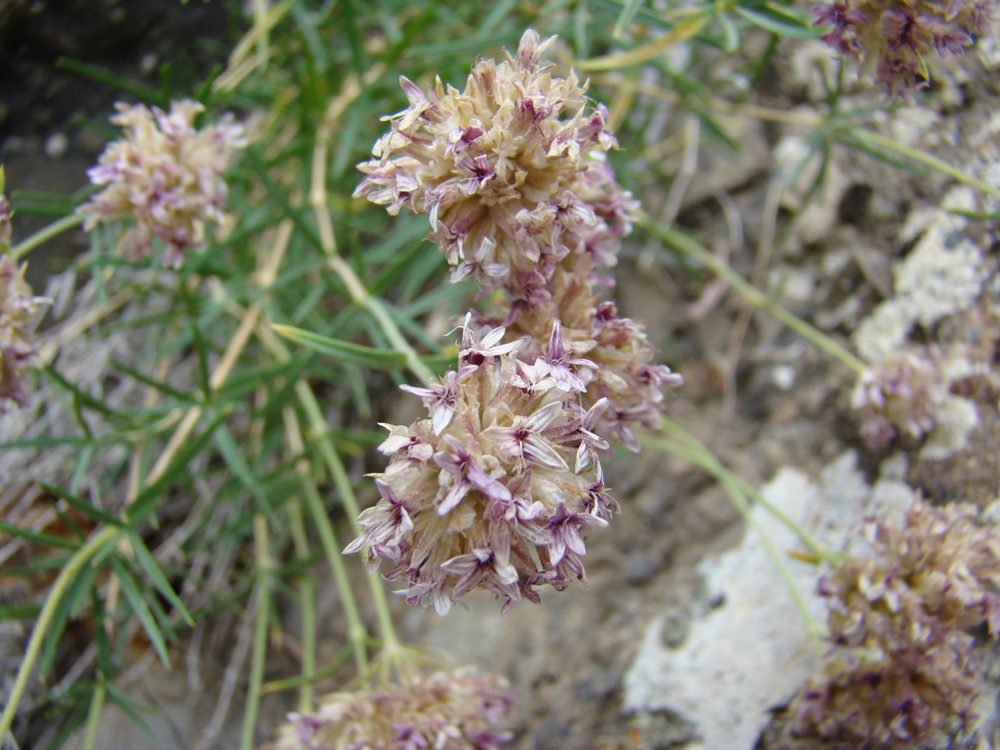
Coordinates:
[18,310]
[901,397]
[167,176]
[496,489]
[893,38]
[453,710]
[901,672]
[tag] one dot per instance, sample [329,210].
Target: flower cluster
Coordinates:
[18,308]
[511,171]
[893,38]
[445,710]
[166,175]
[900,671]
[514,175]
[494,489]
[901,397]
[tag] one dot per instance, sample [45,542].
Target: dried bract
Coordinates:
[166,175]
[496,489]
[901,670]
[453,710]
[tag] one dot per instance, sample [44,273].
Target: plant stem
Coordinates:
[698,455]
[753,295]
[390,642]
[45,234]
[307,606]
[875,140]
[265,567]
[94,715]
[317,199]
[80,558]
[710,463]
[356,632]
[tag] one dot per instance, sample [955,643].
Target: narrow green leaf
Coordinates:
[145,560]
[233,457]
[38,537]
[626,16]
[140,609]
[145,501]
[152,382]
[75,594]
[114,81]
[129,706]
[345,351]
[783,24]
[82,505]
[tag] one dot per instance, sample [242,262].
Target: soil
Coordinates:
[759,397]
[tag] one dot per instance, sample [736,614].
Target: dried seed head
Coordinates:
[454,710]
[167,176]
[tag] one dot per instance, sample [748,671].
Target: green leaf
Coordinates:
[781,23]
[145,560]
[230,451]
[626,16]
[75,594]
[130,707]
[82,505]
[118,83]
[38,537]
[141,610]
[345,351]
[145,501]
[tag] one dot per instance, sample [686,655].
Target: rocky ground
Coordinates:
[686,636]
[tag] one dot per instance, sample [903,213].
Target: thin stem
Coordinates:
[80,558]
[45,234]
[94,715]
[357,634]
[881,142]
[703,459]
[265,567]
[317,199]
[321,434]
[307,588]
[710,463]
[753,295]
[390,642]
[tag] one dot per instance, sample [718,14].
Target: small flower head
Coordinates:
[896,39]
[495,490]
[902,397]
[18,308]
[447,710]
[511,171]
[901,670]
[167,176]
